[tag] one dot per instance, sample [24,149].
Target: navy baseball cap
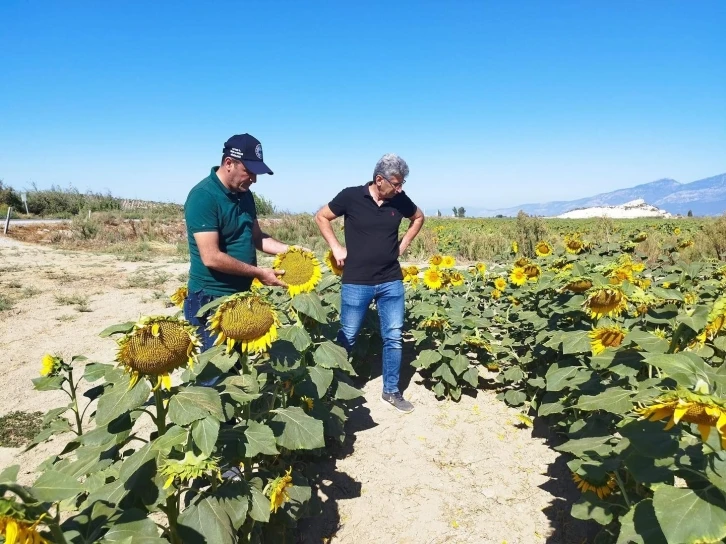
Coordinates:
[248,150]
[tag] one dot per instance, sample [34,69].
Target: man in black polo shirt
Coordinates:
[373,213]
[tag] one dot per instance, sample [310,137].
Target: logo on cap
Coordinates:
[235,153]
[258,151]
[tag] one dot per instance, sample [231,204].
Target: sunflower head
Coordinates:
[533,272]
[50,365]
[500,284]
[302,270]
[247,319]
[601,488]
[456,279]
[573,245]
[177,298]
[481,268]
[332,264]
[192,466]
[518,276]
[433,278]
[683,244]
[579,285]
[447,261]
[436,260]
[677,231]
[543,249]
[277,490]
[156,346]
[19,523]
[640,237]
[521,262]
[496,294]
[477,342]
[412,270]
[609,301]
[435,322]
[515,248]
[606,337]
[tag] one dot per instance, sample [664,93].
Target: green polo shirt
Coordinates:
[211,207]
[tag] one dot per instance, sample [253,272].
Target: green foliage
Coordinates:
[263,205]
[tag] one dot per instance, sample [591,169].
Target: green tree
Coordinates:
[462,211]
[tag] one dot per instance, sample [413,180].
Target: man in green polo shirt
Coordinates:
[223,231]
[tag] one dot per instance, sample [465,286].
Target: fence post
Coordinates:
[7,220]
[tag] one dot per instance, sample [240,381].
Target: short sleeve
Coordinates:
[339,204]
[201,212]
[406,206]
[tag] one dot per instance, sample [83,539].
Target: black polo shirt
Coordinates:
[371,234]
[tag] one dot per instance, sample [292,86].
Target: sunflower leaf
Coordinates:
[444,372]
[121,328]
[193,403]
[459,364]
[344,391]
[575,342]
[295,430]
[640,526]
[95,371]
[204,434]
[687,515]
[133,527]
[330,355]
[121,399]
[426,358]
[297,335]
[260,510]
[206,521]
[54,486]
[48,383]
[310,305]
[260,439]
[589,507]
[615,400]
[321,377]
[9,474]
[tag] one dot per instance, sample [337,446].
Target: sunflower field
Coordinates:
[619,350]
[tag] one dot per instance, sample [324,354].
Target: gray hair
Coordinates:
[390,165]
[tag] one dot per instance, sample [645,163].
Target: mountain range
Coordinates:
[702,197]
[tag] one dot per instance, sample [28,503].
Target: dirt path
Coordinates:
[462,472]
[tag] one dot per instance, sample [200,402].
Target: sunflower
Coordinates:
[49,365]
[533,272]
[500,284]
[677,231]
[307,403]
[496,294]
[579,285]
[621,274]
[518,276]
[433,279]
[156,346]
[692,407]
[179,295]
[606,337]
[690,298]
[415,280]
[412,270]
[608,301]
[278,490]
[683,244]
[515,248]
[481,268]
[477,342]
[521,262]
[640,237]
[573,245]
[643,283]
[246,319]
[19,531]
[435,260]
[302,270]
[447,261]
[189,468]
[435,322]
[456,279]
[256,284]
[602,489]
[332,264]
[543,249]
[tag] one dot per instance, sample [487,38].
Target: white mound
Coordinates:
[629,210]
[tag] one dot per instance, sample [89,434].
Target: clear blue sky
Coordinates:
[492,104]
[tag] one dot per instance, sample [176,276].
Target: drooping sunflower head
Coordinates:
[456,279]
[500,284]
[477,342]
[533,272]
[521,262]
[277,490]
[573,245]
[518,276]
[447,261]
[698,408]
[435,322]
[643,283]
[579,285]
[606,337]
[50,365]
[413,270]
[302,270]
[436,260]
[177,298]
[543,249]
[640,237]
[610,301]
[156,346]
[246,319]
[433,278]
[683,244]
[19,525]
[192,466]
[601,488]
[332,264]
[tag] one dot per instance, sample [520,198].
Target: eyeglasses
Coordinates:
[394,185]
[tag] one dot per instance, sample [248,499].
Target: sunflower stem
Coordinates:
[172,505]
[621,485]
[74,400]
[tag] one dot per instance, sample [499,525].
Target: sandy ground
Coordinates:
[463,472]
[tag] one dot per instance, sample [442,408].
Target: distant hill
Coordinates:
[702,197]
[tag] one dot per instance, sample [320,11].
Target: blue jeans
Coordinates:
[389,297]
[192,304]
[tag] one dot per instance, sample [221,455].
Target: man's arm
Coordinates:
[417,221]
[214,258]
[266,243]
[323,219]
